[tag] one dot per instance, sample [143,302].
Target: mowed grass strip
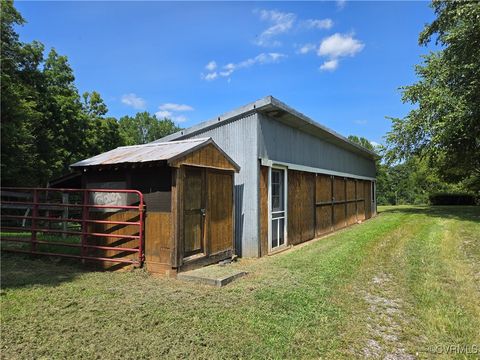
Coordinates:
[404,280]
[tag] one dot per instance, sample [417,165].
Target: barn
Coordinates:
[298,179]
[187,188]
[251,182]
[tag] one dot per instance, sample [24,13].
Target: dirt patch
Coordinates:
[384,321]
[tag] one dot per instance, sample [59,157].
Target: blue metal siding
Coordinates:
[280,142]
[239,140]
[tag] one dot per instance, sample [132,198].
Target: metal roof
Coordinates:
[278,110]
[166,151]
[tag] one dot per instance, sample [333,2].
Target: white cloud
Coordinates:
[230,68]
[212,65]
[341,4]
[210,76]
[163,114]
[175,107]
[329,65]
[134,101]
[170,110]
[375,144]
[318,23]
[338,45]
[179,118]
[169,115]
[267,58]
[281,23]
[360,122]
[306,48]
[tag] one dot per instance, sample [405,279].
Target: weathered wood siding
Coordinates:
[301,206]
[324,208]
[360,200]
[339,196]
[193,203]
[351,202]
[219,220]
[131,216]
[368,199]
[158,241]
[263,193]
[214,193]
[208,156]
[317,204]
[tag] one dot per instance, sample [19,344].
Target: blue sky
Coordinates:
[340,63]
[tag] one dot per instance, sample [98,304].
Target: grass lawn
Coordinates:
[401,286]
[51,238]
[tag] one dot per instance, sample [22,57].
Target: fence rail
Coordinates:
[28,214]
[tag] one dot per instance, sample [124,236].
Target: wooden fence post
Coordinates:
[34,221]
[84,224]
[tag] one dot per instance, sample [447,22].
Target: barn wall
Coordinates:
[263,209]
[317,204]
[130,216]
[280,142]
[301,206]
[238,139]
[209,156]
[155,184]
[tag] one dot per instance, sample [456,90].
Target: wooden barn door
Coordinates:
[219,222]
[194,211]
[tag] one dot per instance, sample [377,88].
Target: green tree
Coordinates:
[362,141]
[409,182]
[103,133]
[444,127]
[19,100]
[145,127]
[45,124]
[62,132]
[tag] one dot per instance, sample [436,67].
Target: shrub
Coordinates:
[452,199]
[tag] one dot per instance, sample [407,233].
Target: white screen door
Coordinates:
[277,208]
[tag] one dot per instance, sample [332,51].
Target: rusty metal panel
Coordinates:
[143,153]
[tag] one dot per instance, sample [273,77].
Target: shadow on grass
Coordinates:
[464,213]
[19,270]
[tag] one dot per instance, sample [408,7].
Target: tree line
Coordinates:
[436,147]
[46,125]
[406,182]
[439,139]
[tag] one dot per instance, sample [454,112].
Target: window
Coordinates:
[277,208]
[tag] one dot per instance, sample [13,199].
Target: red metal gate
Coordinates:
[44,220]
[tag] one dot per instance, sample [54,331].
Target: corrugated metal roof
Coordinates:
[145,153]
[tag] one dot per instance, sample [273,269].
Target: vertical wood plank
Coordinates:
[220,205]
[263,209]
